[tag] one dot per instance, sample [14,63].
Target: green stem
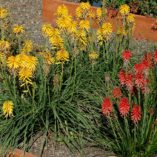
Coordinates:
[62,73]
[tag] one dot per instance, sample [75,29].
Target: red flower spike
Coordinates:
[107,107]
[124,107]
[117,92]
[155,56]
[139,67]
[126,78]
[126,55]
[139,80]
[136,114]
[121,76]
[129,81]
[147,61]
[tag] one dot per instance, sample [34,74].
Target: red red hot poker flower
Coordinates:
[126,78]
[139,67]
[147,61]
[126,55]
[139,80]
[136,114]
[129,81]
[121,76]
[117,93]
[107,106]
[124,107]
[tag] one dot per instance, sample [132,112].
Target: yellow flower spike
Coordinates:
[99,13]
[7,108]
[82,9]
[82,39]
[62,11]
[64,22]
[73,27]
[84,24]
[124,9]
[93,55]
[85,5]
[131,18]
[107,28]
[27,62]
[13,62]
[105,32]
[4,45]
[47,30]
[32,63]
[18,29]
[62,55]
[3,13]
[25,75]
[27,46]
[56,41]
[79,12]
[81,36]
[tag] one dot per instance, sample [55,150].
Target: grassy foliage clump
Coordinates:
[58,87]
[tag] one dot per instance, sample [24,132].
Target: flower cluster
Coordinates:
[137,80]
[123,107]
[24,65]
[139,76]
[104,33]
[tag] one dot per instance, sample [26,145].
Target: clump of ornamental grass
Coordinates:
[129,107]
[57,89]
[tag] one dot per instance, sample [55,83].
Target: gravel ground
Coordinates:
[28,13]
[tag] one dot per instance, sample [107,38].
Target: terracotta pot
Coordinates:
[143,28]
[20,153]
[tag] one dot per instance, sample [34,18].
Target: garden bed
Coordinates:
[88,89]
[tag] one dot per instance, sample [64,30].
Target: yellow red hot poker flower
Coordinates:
[124,9]
[3,13]
[27,46]
[4,45]
[62,55]
[7,108]
[18,29]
